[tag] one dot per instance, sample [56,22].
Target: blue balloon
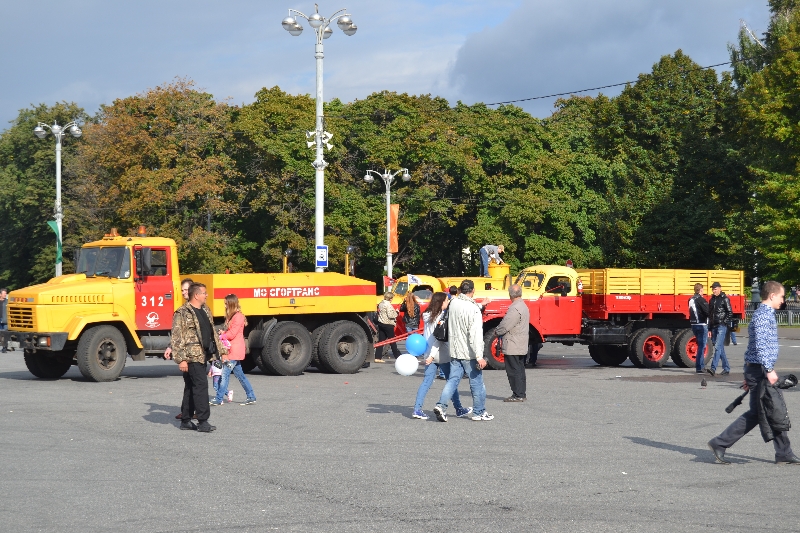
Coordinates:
[416,345]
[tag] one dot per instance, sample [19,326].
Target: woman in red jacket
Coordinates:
[235,322]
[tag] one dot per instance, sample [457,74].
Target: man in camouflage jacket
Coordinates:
[194,342]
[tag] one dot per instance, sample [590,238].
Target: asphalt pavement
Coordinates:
[593,449]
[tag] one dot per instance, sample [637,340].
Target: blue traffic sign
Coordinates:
[322,256]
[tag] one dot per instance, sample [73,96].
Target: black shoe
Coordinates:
[514,399]
[719,454]
[724,373]
[205,427]
[793,460]
[189,426]
[699,372]
[710,371]
[4,350]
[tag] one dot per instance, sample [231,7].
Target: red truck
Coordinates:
[636,314]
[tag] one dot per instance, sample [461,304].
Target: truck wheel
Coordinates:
[48,366]
[102,353]
[343,347]
[494,357]
[247,364]
[316,335]
[650,348]
[287,349]
[684,353]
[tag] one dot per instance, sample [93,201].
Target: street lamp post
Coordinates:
[58,133]
[388,178]
[322,29]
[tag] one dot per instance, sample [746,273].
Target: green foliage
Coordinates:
[662,175]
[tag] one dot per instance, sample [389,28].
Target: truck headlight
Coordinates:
[44,341]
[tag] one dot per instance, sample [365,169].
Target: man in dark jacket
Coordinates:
[513,329]
[698,318]
[760,358]
[719,315]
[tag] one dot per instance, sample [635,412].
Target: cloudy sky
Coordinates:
[93,51]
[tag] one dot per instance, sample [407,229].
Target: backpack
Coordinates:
[440,332]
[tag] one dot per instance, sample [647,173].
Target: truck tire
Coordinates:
[48,366]
[650,348]
[343,347]
[287,349]
[608,355]
[684,351]
[494,358]
[101,353]
[316,335]
[248,363]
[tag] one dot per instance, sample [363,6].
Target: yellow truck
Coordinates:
[126,289]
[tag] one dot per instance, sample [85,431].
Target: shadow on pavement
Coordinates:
[383,409]
[701,455]
[162,414]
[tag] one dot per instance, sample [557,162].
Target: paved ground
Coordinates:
[594,449]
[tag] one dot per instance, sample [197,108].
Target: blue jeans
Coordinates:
[457,369]
[733,337]
[484,262]
[430,375]
[701,334]
[226,377]
[718,340]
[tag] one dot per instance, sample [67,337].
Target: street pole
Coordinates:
[388,178]
[58,133]
[322,30]
[59,213]
[319,162]
[388,231]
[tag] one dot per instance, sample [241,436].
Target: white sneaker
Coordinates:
[483,416]
[441,415]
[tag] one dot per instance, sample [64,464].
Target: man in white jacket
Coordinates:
[465,332]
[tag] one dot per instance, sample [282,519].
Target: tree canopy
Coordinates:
[686,168]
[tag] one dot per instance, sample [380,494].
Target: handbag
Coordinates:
[440,332]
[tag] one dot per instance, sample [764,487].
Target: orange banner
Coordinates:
[394,215]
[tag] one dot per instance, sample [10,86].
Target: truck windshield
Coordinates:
[112,262]
[530,280]
[400,288]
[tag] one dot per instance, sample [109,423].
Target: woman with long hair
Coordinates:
[437,357]
[235,322]
[410,308]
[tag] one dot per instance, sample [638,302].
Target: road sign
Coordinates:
[322,256]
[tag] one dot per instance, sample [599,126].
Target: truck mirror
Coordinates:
[143,257]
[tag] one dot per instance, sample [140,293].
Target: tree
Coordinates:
[770,135]
[27,179]
[162,159]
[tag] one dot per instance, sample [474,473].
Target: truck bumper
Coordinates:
[50,342]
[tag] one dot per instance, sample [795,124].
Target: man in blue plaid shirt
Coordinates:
[759,363]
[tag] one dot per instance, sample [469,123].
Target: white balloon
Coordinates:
[406,364]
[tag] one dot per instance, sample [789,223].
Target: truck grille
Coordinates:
[20,318]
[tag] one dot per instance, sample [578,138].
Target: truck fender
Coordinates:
[78,324]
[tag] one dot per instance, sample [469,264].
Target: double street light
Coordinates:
[388,178]
[58,132]
[322,29]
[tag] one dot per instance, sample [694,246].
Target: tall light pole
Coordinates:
[58,133]
[388,178]
[322,29]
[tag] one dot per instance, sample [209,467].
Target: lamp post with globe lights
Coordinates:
[322,30]
[388,178]
[58,132]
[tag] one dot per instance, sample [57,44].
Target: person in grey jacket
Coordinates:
[465,337]
[513,330]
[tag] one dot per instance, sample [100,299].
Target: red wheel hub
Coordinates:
[496,353]
[691,349]
[654,348]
